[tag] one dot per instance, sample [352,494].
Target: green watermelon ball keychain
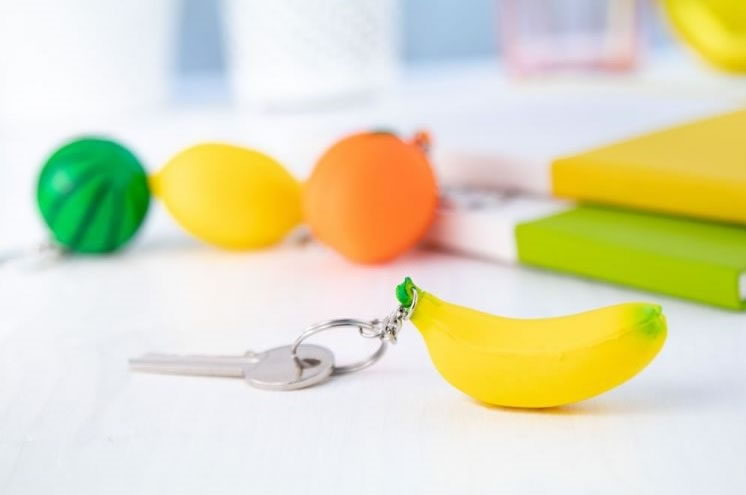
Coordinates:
[93,194]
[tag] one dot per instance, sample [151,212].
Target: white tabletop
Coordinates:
[74,420]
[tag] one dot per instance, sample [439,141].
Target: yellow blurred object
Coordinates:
[536,362]
[695,169]
[229,196]
[716,29]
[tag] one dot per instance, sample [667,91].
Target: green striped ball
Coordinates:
[93,194]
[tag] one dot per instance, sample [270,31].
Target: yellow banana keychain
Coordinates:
[535,362]
[501,361]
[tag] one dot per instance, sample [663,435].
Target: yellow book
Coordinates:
[697,169]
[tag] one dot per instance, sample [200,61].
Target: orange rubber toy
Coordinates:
[372,195]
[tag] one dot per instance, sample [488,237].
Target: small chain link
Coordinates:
[388,328]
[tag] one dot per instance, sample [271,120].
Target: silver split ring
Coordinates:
[361,325]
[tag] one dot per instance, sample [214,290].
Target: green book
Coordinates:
[692,259]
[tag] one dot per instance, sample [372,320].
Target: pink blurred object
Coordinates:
[551,35]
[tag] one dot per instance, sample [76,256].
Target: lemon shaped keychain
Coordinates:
[228,196]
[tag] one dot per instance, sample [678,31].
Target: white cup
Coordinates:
[295,53]
[61,59]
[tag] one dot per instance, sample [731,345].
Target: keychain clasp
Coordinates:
[385,330]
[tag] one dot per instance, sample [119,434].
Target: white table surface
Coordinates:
[74,420]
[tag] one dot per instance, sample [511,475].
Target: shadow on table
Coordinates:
[662,397]
[175,243]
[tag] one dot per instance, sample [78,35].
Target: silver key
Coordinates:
[275,369]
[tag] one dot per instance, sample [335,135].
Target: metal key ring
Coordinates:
[344,322]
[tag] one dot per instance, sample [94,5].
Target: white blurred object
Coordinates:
[295,53]
[481,222]
[60,59]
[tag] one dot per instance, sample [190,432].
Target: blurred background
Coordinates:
[521,78]
[431,31]
[87,55]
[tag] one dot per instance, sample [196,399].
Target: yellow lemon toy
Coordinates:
[232,197]
[535,362]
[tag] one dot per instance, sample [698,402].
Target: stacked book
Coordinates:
[665,212]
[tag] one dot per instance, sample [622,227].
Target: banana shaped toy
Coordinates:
[535,363]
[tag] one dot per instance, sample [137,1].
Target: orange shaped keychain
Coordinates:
[372,195]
